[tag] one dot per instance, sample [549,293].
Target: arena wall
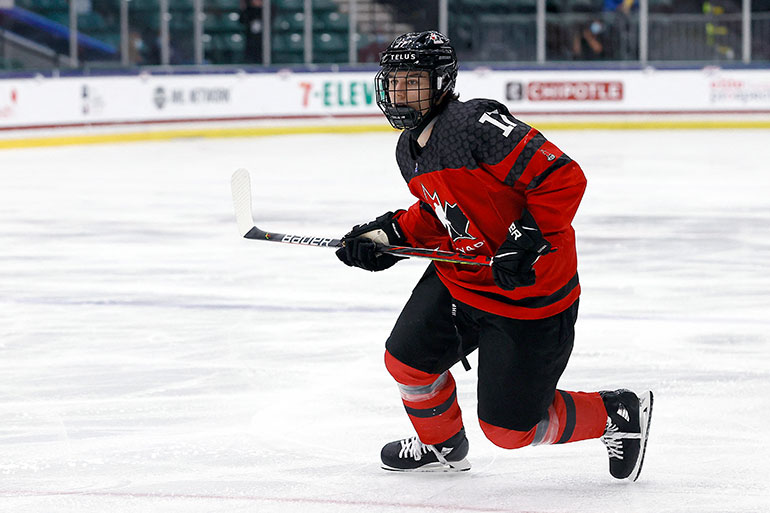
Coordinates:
[52,110]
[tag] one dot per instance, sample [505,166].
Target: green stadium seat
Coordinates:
[225,22]
[209,43]
[106,6]
[51,5]
[329,42]
[289,22]
[288,48]
[330,21]
[324,5]
[180,22]
[144,5]
[223,48]
[149,20]
[212,50]
[180,5]
[289,5]
[212,22]
[299,5]
[232,42]
[523,6]
[223,5]
[288,42]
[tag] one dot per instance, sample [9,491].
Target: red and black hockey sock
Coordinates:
[430,401]
[572,416]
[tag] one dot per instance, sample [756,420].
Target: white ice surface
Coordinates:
[152,360]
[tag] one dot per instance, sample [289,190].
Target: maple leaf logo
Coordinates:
[450,215]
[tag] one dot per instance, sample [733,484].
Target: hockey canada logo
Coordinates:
[450,216]
[437,39]
[549,156]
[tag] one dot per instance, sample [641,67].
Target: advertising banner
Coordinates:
[624,92]
[146,98]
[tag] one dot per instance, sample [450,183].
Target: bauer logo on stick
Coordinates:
[307,241]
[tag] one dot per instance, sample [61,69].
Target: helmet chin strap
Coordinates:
[403,116]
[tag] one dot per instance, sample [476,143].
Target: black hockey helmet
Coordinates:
[408,56]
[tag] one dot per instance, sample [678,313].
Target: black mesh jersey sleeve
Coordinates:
[466,135]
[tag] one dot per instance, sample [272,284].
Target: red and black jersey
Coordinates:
[480,168]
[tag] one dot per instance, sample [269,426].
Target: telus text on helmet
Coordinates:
[399,57]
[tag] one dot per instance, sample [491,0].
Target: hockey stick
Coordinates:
[241,186]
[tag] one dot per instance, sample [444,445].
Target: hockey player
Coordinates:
[486,183]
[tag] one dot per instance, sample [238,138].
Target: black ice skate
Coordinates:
[628,424]
[411,455]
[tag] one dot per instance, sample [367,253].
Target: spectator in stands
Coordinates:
[760,48]
[620,34]
[136,48]
[587,35]
[251,18]
[606,34]
[587,41]
[724,43]
[149,48]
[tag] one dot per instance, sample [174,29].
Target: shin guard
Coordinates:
[430,401]
[572,416]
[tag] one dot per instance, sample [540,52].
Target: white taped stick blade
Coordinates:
[241,186]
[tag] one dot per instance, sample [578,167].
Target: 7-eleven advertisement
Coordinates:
[41,102]
[340,94]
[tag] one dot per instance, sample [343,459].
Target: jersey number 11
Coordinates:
[506,125]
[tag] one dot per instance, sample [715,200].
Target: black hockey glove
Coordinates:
[512,264]
[360,244]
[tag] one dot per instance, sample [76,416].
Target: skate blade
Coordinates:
[645,414]
[454,466]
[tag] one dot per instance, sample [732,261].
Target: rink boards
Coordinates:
[55,110]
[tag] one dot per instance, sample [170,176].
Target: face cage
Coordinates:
[401,115]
